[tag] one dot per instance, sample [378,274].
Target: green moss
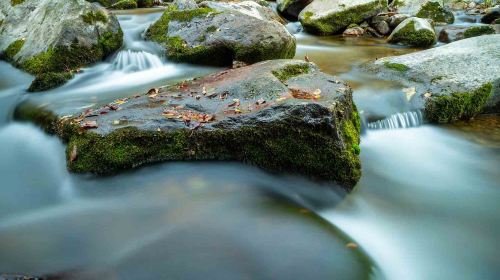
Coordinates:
[397,3]
[396,66]
[436,12]
[290,71]
[94,17]
[13,49]
[64,59]
[337,22]
[211,28]
[16,2]
[411,37]
[124,5]
[289,145]
[457,106]
[178,50]
[475,31]
[46,81]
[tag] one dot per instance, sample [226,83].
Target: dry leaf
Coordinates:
[73,155]
[351,245]
[89,124]
[260,101]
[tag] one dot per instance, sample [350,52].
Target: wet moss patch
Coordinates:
[478,31]
[46,81]
[290,71]
[93,17]
[457,106]
[13,49]
[16,2]
[409,36]
[433,10]
[396,66]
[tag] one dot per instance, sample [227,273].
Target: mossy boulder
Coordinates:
[436,12]
[56,36]
[124,5]
[280,115]
[474,31]
[413,32]
[452,82]
[219,33]
[290,9]
[326,17]
[492,14]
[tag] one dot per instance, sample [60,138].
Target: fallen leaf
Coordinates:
[120,101]
[260,101]
[73,155]
[89,124]
[410,92]
[113,107]
[279,99]
[204,91]
[198,97]
[235,103]
[224,95]
[351,245]
[427,95]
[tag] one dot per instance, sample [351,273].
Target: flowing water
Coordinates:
[426,207]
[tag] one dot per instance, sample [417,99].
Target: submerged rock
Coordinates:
[291,9]
[452,82]
[334,16]
[56,36]
[413,32]
[218,33]
[454,33]
[280,115]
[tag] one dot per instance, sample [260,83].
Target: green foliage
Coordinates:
[396,66]
[94,17]
[457,106]
[291,70]
[46,81]
[13,49]
[436,12]
[475,31]
[211,28]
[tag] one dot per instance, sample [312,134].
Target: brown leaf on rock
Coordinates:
[235,103]
[153,91]
[260,101]
[89,124]
[73,154]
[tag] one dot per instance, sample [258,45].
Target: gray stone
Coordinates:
[291,9]
[219,32]
[414,32]
[333,16]
[463,66]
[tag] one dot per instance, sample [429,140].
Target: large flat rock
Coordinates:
[280,115]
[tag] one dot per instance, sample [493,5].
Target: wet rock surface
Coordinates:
[221,32]
[281,115]
[326,17]
[460,78]
[56,36]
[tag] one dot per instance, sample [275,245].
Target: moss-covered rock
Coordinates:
[212,34]
[46,81]
[435,11]
[451,82]
[474,31]
[326,17]
[84,34]
[124,5]
[280,115]
[290,9]
[457,105]
[413,32]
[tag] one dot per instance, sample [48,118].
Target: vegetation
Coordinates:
[409,36]
[124,5]
[396,66]
[291,70]
[478,31]
[436,12]
[46,81]
[458,105]
[16,2]
[93,17]
[13,49]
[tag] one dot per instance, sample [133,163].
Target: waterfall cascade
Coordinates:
[399,120]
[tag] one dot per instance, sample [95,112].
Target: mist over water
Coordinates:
[426,206]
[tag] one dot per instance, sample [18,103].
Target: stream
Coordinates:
[426,207]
